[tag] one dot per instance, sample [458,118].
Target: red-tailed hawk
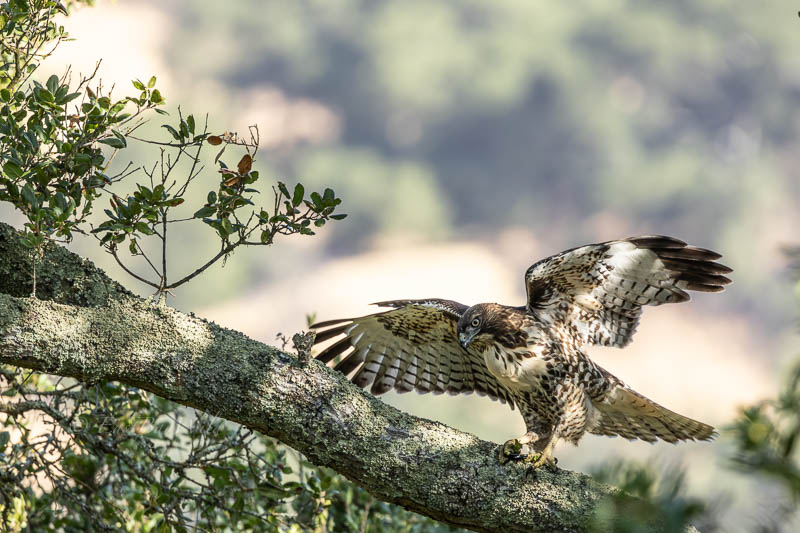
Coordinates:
[534,356]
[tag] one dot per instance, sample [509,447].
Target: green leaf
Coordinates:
[226,226]
[4,438]
[120,137]
[172,132]
[52,83]
[45,96]
[142,227]
[156,98]
[204,212]
[338,217]
[190,123]
[297,197]
[138,85]
[113,142]
[151,83]
[116,108]
[283,189]
[212,197]
[29,197]
[12,170]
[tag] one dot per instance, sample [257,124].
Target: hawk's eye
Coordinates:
[476,322]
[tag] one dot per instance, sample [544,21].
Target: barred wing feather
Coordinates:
[411,347]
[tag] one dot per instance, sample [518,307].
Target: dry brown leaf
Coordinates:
[245,164]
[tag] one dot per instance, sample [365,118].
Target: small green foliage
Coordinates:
[52,134]
[131,461]
[766,438]
[57,141]
[658,499]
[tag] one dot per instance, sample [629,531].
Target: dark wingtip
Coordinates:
[656,241]
[328,323]
[334,350]
[393,303]
[692,264]
[323,336]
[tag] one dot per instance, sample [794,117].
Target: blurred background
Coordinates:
[468,140]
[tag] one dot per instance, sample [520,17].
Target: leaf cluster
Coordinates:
[53,165]
[660,499]
[83,457]
[58,140]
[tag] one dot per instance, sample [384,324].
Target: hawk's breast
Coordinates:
[516,368]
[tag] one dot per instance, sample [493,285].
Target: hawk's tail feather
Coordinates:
[626,413]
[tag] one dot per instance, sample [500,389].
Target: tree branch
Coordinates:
[104,333]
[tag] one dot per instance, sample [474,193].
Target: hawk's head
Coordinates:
[482,324]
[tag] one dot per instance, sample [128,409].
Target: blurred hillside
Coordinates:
[580,122]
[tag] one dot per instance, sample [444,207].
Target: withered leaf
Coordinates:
[245,164]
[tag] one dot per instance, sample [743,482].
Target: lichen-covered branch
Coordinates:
[93,330]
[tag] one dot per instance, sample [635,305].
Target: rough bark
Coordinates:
[88,327]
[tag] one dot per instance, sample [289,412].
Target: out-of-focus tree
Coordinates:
[673,118]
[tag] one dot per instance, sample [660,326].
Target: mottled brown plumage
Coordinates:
[534,357]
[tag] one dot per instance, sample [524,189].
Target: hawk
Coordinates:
[535,357]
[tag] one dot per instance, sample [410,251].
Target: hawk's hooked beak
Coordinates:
[464,339]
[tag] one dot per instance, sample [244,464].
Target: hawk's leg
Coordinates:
[530,446]
[536,439]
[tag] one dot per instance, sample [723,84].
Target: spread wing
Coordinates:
[412,347]
[597,291]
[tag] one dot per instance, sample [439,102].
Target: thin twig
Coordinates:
[121,264]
